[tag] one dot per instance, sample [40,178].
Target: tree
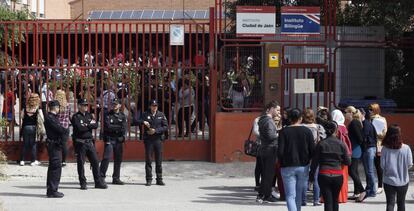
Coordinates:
[397,17]
[10,30]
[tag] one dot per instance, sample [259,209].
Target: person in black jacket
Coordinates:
[357,139]
[268,136]
[329,155]
[370,144]
[295,150]
[155,126]
[83,124]
[115,127]
[54,132]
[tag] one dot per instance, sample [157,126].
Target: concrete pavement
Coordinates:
[190,186]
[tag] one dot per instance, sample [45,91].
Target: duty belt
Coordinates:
[84,141]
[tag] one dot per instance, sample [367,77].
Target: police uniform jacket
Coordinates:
[115,124]
[158,122]
[54,130]
[82,126]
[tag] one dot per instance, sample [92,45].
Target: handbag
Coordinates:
[40,127]
[251,147]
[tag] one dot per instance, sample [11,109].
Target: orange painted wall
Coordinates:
[406,122]
[232,129]
[133,150]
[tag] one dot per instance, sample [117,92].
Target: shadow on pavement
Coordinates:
[24,195]
[232,195]
[44,187]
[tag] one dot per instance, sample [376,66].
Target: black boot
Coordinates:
[148,183]
[117,182]
[160,182]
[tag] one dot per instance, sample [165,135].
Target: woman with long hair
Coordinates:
[396,159]
[318,131]
[357,139]
[380,124]
[63,116]
[31,113]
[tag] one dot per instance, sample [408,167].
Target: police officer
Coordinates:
[115,126]
[54,132]
[83,124]
[155,126]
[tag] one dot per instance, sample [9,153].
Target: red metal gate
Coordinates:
[135,60]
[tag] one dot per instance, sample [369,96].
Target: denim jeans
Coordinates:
[294,179]
[316,189]
[368,159]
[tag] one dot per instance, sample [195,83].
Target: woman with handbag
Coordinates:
[30,129]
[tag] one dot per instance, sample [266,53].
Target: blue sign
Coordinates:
[300,21]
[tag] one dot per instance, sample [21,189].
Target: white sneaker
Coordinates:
[35,163]
[21,163]
[276,194]
[380,190]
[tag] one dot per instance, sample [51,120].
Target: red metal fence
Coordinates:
[132,60]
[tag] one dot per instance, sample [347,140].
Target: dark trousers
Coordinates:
[117,148]
[202,118]
[29,142]
[187,118]
[391,192]
[330,187]
[54,170]
[377,162]
[258,171]
[87,149]
[354,174]
[268,156]
[65,138]
[153,147]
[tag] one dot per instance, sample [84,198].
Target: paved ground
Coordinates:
[190,186]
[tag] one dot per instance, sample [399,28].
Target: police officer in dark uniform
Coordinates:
[155,126]
[83,124]
[54,132]
[115,126]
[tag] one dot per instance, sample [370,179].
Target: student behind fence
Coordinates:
[396,160]
[355,134]
[318,132]
[237,93]
[64,119]
[380,124]
[295,150]
[7,113]
[186,108]
[29,133]
[330,154]
[268,151]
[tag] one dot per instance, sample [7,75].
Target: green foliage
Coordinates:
[395,16]
[11,29]
[397,19]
